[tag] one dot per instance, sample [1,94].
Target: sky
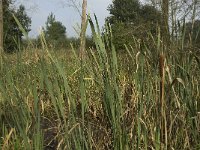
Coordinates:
[38,10]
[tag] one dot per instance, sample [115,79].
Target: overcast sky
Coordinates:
[38,10]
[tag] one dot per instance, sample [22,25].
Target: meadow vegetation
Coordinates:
[140,95]
[111,100]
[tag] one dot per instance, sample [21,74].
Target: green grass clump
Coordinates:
[111,100]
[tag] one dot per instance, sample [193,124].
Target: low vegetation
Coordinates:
[111,100]
[131,90]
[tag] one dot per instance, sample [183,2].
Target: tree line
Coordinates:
[128,19]
[171,19]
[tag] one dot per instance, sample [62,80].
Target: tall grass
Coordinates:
[111,100]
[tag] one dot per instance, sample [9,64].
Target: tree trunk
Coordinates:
[1,27]
[83,29]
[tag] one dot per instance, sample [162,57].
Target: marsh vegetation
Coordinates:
[140,95]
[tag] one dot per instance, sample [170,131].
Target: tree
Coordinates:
[124,11]
[24,20]
[12,32]
[55,32]
[130,18]
[83,14]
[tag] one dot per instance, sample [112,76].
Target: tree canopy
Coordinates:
[12,33]
[131,18]
[124,10]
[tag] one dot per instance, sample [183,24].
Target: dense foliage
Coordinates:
[12,33]
[130,18]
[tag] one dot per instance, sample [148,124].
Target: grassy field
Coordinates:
[138,98]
